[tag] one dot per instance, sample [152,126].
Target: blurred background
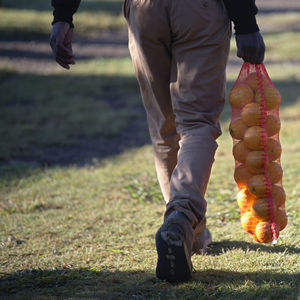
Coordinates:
[74,142]
[51,116]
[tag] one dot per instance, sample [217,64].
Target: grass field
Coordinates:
[79,199]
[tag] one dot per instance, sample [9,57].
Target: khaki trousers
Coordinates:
[179,49]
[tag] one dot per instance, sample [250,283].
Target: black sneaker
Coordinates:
[201,242]
[174,248]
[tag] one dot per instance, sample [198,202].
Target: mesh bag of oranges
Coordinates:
[255,129]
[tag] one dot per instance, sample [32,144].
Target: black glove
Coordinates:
[250,47]
[61,44]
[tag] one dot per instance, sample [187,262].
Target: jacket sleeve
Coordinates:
[242,14]
[64,10]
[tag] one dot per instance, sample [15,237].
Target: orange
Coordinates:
[255,161]
[252,81]
[251,114]
[258,185]
[262,209]
[274,172]
[237,129]
[271,95]
[254,238]
[240,151]
[272,125]
[281,219]
[253,138]
[278,195]
[245,200]
[264,232]
[248,222]
[242,176]
[273,149]
[240,95]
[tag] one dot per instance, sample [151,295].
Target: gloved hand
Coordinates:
[61,44]
[251,47]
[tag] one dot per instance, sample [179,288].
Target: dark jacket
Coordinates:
[241,12]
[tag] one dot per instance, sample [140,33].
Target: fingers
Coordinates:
[63,55]
[257,51]
[248,54]
[62,63]
[240,52]
[261,53]
[251,55]
[61,44]
[261,57]
[65,64]
[53,45]
[255,55]
[251,48]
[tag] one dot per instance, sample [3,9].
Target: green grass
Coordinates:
[276,22]
[104,102]
[111,6]
[21,19]
[87,232]
[73,232]
[54,113]
[20,23]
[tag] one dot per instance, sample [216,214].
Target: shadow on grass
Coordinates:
[218,248]
[69,119]
[43,34]
[84,49]
[37,34]
[105,284]
[73,119]
[35,56]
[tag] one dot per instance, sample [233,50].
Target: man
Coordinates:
[179,49]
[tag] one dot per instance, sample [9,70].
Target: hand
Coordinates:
[251,47]
[61,44]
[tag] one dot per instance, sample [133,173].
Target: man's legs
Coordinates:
[201,35]
[179,50]
[149,45]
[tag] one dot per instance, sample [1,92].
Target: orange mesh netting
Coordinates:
[255,127]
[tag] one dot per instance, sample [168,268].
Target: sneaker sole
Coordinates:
[173,263]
